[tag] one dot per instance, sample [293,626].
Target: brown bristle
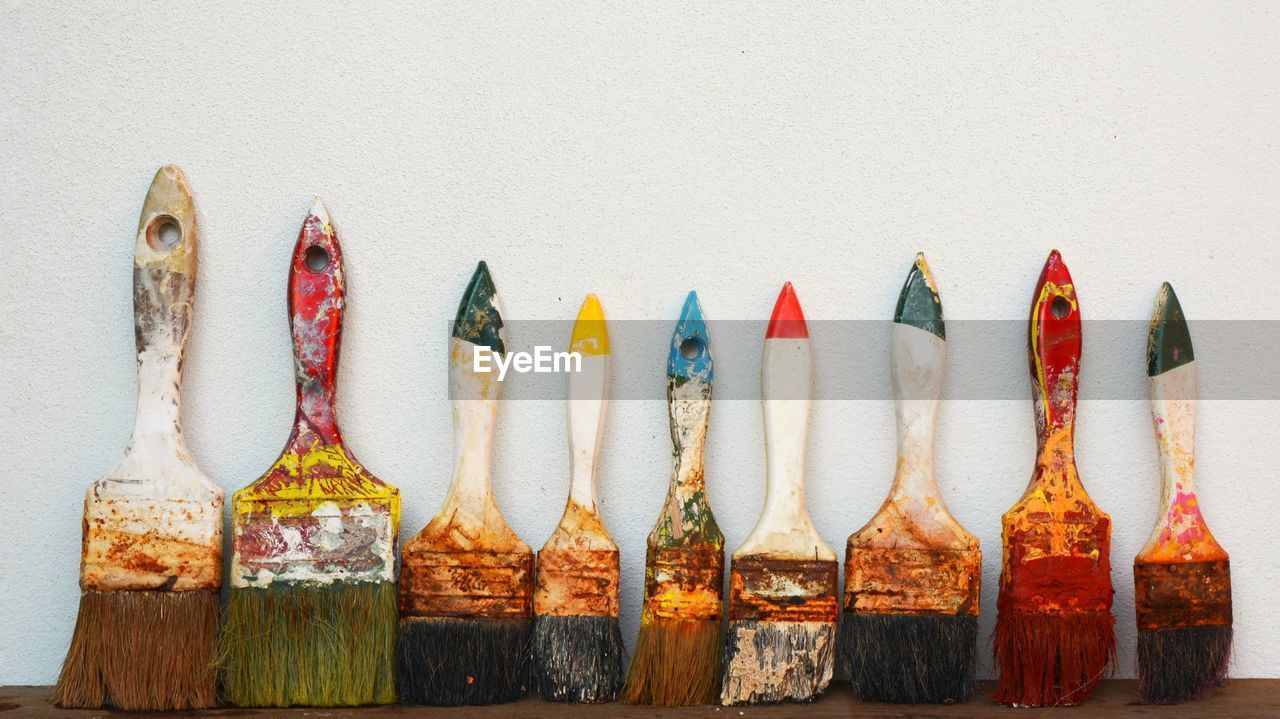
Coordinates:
[1052,659]
[141,651]
[676,663]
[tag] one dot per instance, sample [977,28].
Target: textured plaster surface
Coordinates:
[585,150]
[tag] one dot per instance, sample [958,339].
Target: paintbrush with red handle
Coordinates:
[1055,636]
[1182,577]
[312,615]
[151,565]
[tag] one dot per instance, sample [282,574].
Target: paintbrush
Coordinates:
[780,643]
[466,584]
[913,574]
[577,647]
[676,661]
[312,614]
[1182,576]
[151,562]
[1055,636]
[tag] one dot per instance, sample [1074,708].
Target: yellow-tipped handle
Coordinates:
[590,334]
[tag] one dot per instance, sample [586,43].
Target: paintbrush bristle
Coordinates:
[141,651]
[909,658]
[1052,658]
[1182,663]
[450,661]
[771,661]
[676,663]
[289,645]
[578,659]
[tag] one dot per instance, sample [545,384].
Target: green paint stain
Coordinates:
[918,305]
[479,321]
[1169,341]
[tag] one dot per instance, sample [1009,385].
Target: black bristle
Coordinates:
[1182,663]
[909,658]
[445,661]
[578,659]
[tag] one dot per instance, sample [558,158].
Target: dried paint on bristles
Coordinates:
[1054,636]
[1182,576]
[466,579]
[677,655]
[311,618]
[780,642]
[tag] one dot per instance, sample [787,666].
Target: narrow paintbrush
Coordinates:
[1182,576]
[312,614]
[677,654]
[466,600]
[151,562]
[913,574]
[1055,636]
[576,643]
[780,644]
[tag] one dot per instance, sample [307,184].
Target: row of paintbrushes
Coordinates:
[314,601]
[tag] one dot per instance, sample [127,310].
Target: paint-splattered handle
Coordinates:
[1054,348]
[316,300]
[164,267]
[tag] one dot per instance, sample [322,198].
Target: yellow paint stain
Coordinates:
[590,333]
[299,482]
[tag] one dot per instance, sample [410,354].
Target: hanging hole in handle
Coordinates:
[1060,307]
[316,259]
[164,233]
[691,348]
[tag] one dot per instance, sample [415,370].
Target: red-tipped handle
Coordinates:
[316,301]
[1054,347]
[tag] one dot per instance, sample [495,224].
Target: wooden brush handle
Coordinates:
[317,289]
[164,288]
[587,400]
[1054,353]
[919,359]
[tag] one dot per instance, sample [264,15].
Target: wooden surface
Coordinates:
[1245,698]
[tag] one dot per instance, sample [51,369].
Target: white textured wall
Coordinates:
[635,152]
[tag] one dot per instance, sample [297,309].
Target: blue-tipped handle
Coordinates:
[690,355]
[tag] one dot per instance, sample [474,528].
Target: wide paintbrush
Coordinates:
[780,643]
[577,646]
[312,615]
[466,588]
[1182,576]
[677,654]
[1055,636]
[913,574]
[151,562]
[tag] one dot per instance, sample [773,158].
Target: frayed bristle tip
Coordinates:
[578,659]
[1182,663]
[676,663]
[767,662]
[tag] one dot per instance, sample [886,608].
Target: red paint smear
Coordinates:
[316,302]
[787,321]
[1058,583]
[1057,344]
